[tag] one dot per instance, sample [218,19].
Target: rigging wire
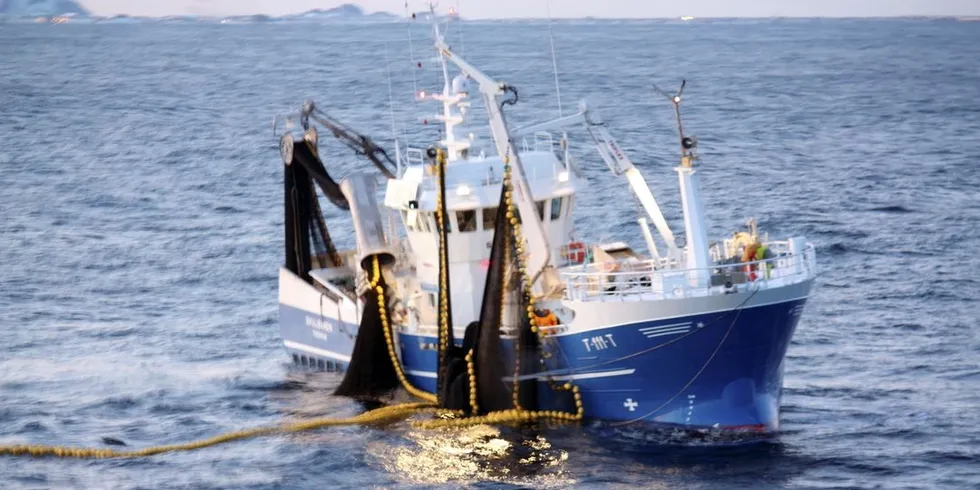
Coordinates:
[459,25]
[391,112]
[411,49]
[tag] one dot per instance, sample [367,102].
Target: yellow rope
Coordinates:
[512,214]
[445,322]
[499,417]
[383,414]
[471,371]
[411,389]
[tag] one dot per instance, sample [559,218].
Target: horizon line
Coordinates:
[587,17]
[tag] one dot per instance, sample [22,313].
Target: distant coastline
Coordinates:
[63,11]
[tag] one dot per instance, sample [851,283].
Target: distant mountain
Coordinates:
[40,8]
[247,19]
[345,12]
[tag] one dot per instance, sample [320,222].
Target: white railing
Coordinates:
[618,281]
[534,173]
[543,141]
[414,156]
[431,182]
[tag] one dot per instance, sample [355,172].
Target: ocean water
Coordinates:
[140,239]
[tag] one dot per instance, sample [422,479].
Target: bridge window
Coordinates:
[540,205]
[466,220]
[556,208]
[435,223]
[424,222]
[489,218]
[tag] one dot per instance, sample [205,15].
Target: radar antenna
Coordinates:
[688,143]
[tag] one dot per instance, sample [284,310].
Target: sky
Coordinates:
[481,9]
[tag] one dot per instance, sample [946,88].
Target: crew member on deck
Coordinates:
[545,318]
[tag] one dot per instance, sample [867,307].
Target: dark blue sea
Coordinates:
[140,240]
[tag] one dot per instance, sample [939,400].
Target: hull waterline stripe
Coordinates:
[315,350]
[422,374]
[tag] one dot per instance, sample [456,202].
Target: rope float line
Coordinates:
[409,387]
[372,417]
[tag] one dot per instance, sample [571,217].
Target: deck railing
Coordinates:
[619,281]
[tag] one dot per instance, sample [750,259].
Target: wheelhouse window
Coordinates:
[448,220]
[466,220]
[423,224]
[540,205]
[556,208]
[489,218]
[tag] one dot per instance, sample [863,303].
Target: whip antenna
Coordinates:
[554,59]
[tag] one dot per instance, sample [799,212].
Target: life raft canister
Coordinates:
[574,252]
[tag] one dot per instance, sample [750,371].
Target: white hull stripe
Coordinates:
[672,332]
[566,377]
[601,374]
[315,351]
[421,374]
[665,327]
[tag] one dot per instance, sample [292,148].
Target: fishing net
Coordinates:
[490,371]
[308,246]
[371,372]
[308,243]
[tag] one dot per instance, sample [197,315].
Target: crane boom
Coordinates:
[618,162]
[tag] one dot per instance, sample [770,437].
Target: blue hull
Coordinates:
[715,370]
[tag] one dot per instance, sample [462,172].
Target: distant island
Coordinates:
[68,10]
[344,12]
[41,8]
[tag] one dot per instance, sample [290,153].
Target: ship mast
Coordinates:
[454,102]
[538,249]
[696,248]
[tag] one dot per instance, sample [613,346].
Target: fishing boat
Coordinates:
[688,333]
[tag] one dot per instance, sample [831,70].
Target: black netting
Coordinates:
[500,342]
[308,244]
[324,252]
[370,373]
[298,198]
[305,154]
